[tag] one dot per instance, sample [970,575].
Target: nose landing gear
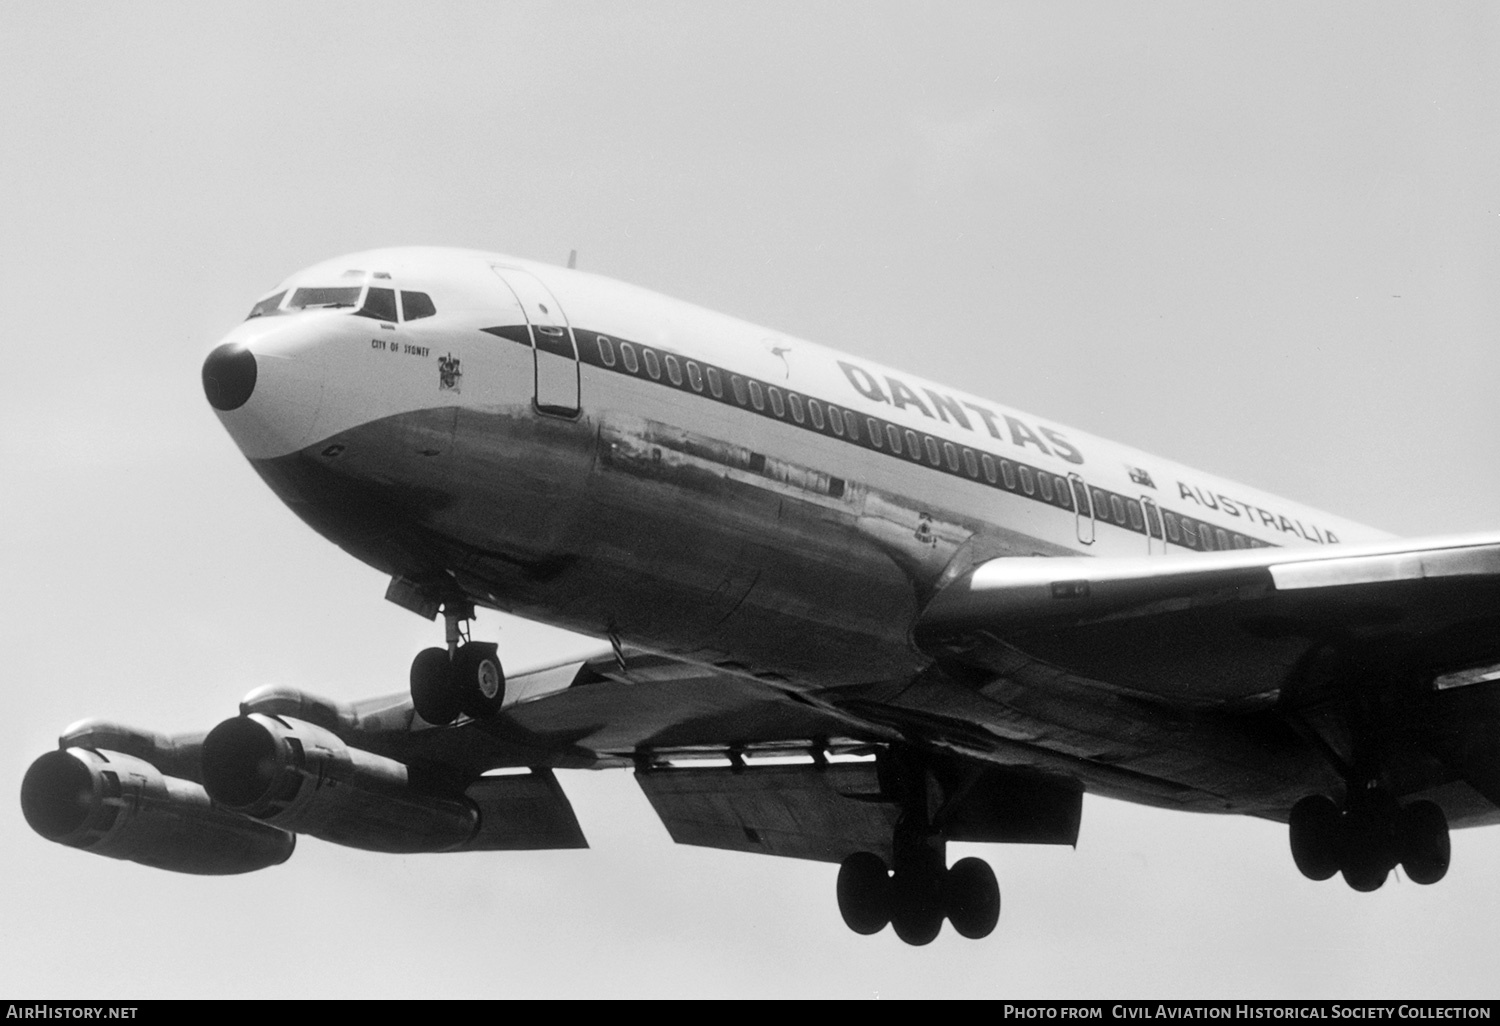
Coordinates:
[466,677]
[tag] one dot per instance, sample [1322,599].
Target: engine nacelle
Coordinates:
[301,777]
[121,806]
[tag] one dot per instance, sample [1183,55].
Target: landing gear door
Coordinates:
[556,358]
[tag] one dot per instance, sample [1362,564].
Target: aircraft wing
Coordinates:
[1232,629]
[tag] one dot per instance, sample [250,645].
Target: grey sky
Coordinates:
[1262,240]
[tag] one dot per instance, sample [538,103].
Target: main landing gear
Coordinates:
[918,896]
[1367,839]
[466,677]
[920,890]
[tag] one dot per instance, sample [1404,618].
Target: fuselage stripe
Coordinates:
[832,420]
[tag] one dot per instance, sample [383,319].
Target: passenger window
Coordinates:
[1028,482]
[267,306]
[627,354]
[674,371]
[379,304]
[989,467]
[836,421]
[1222,536]
[695,376]
[1171,521]
[971,463]
[653,366]
[1008,472]
[1117,506]
[815,411]
[1134,509]
[715,383]
[950,455]
[738,384]
[874,432]
[1063,492]
[416,305]
[757,395]
[852,423]
[606,350]
[1044,483]
[933,455]
[795,402]
[777,406]
[913,446]
[893,435]
[1189,533]
[1239,542]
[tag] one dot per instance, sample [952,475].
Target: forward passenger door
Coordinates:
[556,358]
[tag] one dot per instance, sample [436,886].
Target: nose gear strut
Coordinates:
[466,677]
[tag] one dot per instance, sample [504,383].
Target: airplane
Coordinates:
[843,613]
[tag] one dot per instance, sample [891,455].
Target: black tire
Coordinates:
[432,692]
[972,897]
[917,906]
[864,892]
[1426,848]
[1314,833]
[479,680]
[1368,852]
[1365,875]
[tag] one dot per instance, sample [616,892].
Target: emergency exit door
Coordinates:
[554,354]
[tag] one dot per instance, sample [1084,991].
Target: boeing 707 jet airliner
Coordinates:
[844,613]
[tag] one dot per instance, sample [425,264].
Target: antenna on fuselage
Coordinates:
[572,259]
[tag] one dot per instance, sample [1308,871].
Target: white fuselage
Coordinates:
[689,482]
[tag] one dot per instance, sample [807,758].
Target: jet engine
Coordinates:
[300,777]
[118,805]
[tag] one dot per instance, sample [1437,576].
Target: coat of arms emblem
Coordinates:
[448,373]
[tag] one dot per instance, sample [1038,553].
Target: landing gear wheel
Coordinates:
[1422,833]
[864,891]
[432,691]
[972,897]
[1365,875]
[1314,832]
[917,905]
[478,680]
[1368,851]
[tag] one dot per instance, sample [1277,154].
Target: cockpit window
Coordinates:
[416,305]
[266,306]
[326,298]
[379,304]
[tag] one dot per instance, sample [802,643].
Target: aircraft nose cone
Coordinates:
[229,376]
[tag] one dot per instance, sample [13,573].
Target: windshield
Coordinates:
[267,306]
[325,298]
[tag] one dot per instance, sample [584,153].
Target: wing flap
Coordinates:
[792,811]
[523,812]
